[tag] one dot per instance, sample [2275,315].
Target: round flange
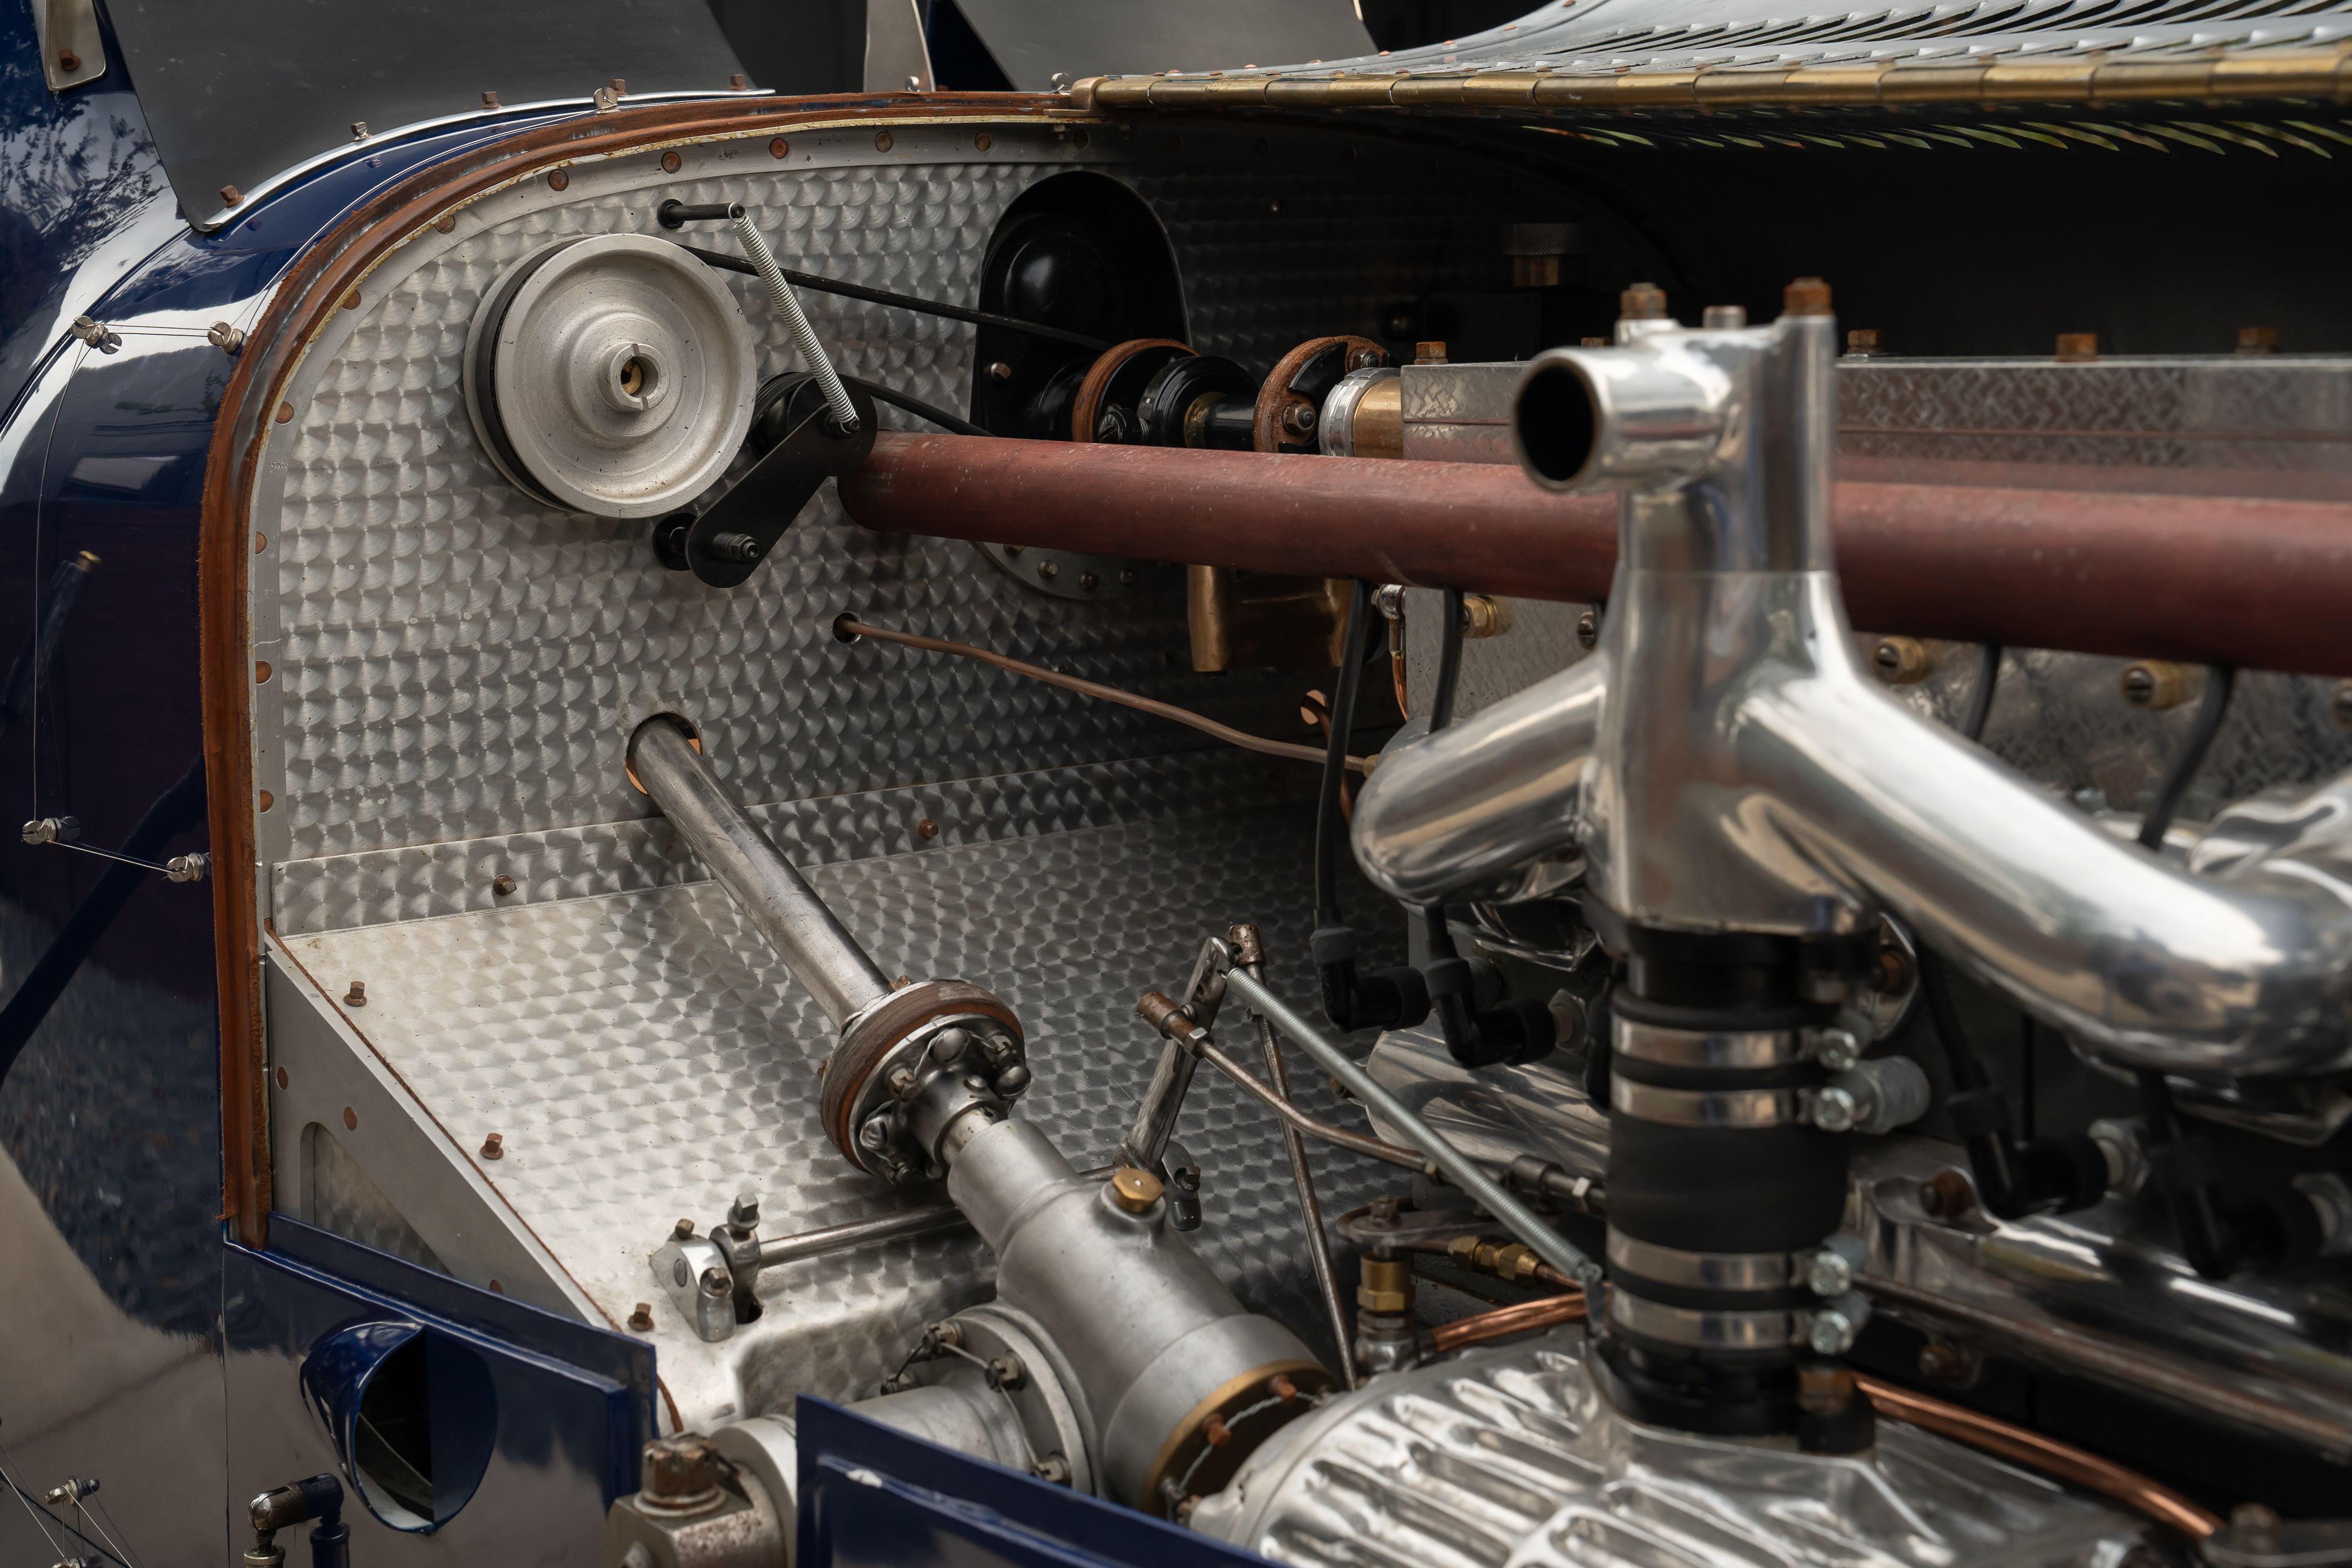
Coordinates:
[1115,379]
[895,1032]
[1302,378]
[611,374]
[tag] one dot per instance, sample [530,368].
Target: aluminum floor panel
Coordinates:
[644,1055]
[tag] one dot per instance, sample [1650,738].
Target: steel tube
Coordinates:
[823,954]
[2260,584]
[929,1220]
[1311,1207]
[1457,1167]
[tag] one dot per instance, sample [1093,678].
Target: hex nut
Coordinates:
[357,996]
[1134,1190]
[642,1320]
[494,1148]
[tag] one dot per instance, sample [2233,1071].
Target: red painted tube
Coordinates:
[2261,584]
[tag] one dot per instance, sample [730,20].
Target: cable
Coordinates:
[848,628]
[1346,688]
[2211,708]
[32,1506]
[1979,708]
[915,406]
[726,263]
[1449,664]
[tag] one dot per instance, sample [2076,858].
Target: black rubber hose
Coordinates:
[2221,679]
[725,263]
[1980,690]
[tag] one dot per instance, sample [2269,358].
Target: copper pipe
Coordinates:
[849,628]
[2063,1460]
[2261,584]
[1523,1318]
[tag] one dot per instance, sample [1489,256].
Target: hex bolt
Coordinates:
[1005,1370]
[901,1082]
[1054,1471]
[357,996]
[494,1148]
[744,1213]
[999,370]
[740,548]
[1724,318]
[1834,1110]
[1642,302]
[1941,1360]
[714,1282]
[642,1320]
[1863,342]
[1299,418]
[1089,581]
[2078,348]
[1588,630]
[502,884]
[1832,1332]
[682,1230]
[1013,1081]
[1837,1049]
[1948,1195]
[1828,1273]
[1134,1190]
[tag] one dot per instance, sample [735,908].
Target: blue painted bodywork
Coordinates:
[872,1497]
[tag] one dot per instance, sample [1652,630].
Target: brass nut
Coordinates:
[1484,616]
[2078,348]
[1385,1286]
[1806,297]
[2155,684]
[1642,302]
[1900,660]
[1133,1190]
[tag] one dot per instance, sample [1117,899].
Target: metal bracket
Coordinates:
[724,543]
[71,51]
[694,1271]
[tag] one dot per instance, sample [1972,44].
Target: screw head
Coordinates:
[1837,1050]
[69,60]
[1946,1195]
[714,1282]
[682,1230]
[1828,1273]
[642,1320]
[502,884]
[1833,1332]
[1013,1081]
[874,1134]
[1090,582]
[1588,630]
[1834,1110]
[999,371]
[926,828]
[901,1082]
[949,1044]
[494,1148]
[357,996]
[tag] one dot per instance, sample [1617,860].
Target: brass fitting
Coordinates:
[1506,1260]
[1642,302]
[1900,660]
[1386,1286]
[2155,684]
[1484,615]
[1133,1190]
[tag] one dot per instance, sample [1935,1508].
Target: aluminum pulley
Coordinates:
[612,374]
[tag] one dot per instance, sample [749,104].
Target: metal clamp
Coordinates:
[693,1269]
[1704,1048]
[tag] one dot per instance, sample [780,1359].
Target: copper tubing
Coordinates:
[2063,1460]
[1394,1154]
[1523,1318]
[848,628]
[2259,584]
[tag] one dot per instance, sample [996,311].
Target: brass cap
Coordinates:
[1133,1190]
[1806,297]
[1386,1285]
[2075,347]
[1642,302]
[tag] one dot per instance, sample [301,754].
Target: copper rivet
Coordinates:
[983,141]
[260,670]
[284,412]
[260,543]
[779,147]
[882,141]
[267,800]
[1079,136]
[351,1120]
[351,300]
[669,163]
[231,195]
[357,996]
[281,1078]
[502,884]
[494,1148]
[642,1320]
[559,180]
[739,81]
[501,1289]
[445,221]
[69,60]
[926,828]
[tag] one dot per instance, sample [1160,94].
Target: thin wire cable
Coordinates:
[849,629]
[915,406]
[43,1518]
[1980,690]
[1347,685]
[113,1533]
[725,263]
[2211,708]
[1449,664]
